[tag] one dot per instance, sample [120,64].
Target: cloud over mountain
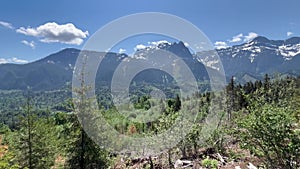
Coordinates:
[250,36]
[237,38]
[52,32]
[289,33]
[221,45]
[243,38]
[12,60]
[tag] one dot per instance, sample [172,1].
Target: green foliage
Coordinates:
[174,104]
[210,163]
[83,152]
[143,103]
[7,158]
[7,161]
[4,129]
[35,142]
[217,140]
[269,132]
[263,118]
[11,104]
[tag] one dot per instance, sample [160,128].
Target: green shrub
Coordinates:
[268,131]
[210,163]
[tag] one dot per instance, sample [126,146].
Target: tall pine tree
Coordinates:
[35,147]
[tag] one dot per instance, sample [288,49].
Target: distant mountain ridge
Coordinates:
[261,56]
[248,61]
[55,71]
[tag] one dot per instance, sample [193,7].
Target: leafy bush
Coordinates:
[210,163]
[269,131]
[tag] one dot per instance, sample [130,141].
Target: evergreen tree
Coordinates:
[35,148]
[83,153]
[230,90]
[177,104]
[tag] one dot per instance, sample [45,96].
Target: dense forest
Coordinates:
[259,125]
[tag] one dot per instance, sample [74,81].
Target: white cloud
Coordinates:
[151,44]
[122,50]
[139,47]
[53,32]
[13,60]
[237,38]
[27,43]
[16,60]
[289,33]
[186,44]
[156,43]
[6,25]
[250,36]
[243,38]
[2,61]
[220,45]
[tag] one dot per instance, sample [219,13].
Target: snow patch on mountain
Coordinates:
[252,47]
[289,51]
[210,60]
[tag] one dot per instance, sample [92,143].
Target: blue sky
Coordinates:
[25,25]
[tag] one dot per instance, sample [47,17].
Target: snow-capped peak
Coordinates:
[287,49]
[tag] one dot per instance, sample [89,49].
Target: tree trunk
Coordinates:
[29,123]
[151,163]
[169,159]
[82,150]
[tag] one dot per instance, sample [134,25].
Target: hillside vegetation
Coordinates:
[259,126]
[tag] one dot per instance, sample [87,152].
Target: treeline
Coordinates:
[262,117]
[12,102]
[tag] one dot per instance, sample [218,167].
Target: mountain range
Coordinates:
[262,56]
[248,61]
